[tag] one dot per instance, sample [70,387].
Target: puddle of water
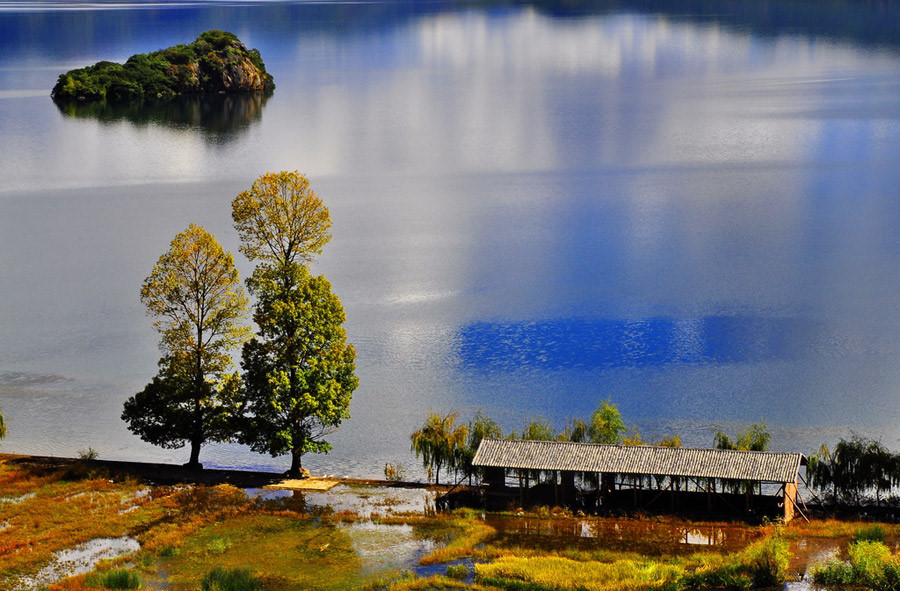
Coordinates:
[134,501]
[17,500]
[388,547]
[363,500]
[78,560]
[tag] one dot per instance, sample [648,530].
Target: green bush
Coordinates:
[119,578]
[768,561]
[871,565]
[868,560]
[834,573]
[457,571]
[236,579]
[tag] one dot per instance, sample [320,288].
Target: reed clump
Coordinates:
[117,578]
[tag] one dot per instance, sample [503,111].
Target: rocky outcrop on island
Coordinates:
[216,63]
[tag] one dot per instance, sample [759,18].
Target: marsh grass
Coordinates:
[542,573]
[118,578]
[870,533]
[871,565]
[62,513]
[462,532]
[300,553]
[761,564]
[458,571]
[236,579]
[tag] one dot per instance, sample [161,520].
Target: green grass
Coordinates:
[118,578]
[871,533]
[236,579]
[458,571]
[284,552]
[540,573]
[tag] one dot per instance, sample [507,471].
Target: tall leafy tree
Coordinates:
[299,372]
[2,428]
[195,294]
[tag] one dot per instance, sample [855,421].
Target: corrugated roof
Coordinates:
[761,466]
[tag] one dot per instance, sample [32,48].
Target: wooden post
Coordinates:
[555,489]
[790,499]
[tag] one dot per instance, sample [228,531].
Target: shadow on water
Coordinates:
[219,117]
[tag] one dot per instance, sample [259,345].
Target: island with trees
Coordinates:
[217,62]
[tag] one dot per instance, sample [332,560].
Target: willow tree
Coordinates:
[439,443]
[299,372]
[195,294]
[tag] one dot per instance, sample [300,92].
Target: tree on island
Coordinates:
[195,293]
[299,369]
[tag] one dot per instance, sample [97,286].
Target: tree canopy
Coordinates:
[280,220]
[195,295]
[754,438]
[606,425]
[216,62]
[299,371]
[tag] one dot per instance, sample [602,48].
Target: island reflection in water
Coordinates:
[220,117]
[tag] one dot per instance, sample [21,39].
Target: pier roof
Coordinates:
[760,466]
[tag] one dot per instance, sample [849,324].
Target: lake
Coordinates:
[688,207]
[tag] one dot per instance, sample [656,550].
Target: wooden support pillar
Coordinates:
[790,500]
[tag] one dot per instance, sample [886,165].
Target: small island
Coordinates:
[216,63]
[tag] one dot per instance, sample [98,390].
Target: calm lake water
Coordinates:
[689,207]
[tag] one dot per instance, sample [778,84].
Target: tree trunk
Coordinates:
[194,462]
[296,464]
[196,437]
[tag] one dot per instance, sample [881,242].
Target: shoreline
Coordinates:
[169,474]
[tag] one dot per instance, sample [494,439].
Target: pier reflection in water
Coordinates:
[649,537]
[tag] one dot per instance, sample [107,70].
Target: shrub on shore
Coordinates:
[871,565]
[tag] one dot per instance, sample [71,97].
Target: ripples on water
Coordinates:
[689,209]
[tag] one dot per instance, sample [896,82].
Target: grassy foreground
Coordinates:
[216,537]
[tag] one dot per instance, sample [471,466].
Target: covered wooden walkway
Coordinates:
[642,477]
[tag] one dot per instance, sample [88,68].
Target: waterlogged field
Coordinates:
[75,526]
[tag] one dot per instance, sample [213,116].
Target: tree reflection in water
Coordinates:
[220,117]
